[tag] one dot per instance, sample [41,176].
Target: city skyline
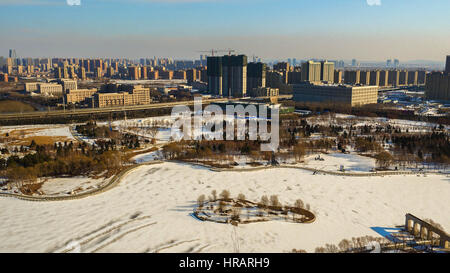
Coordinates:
[360,29]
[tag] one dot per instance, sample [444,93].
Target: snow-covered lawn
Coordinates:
[333,162]
[150,211]
[41,134]
[151,156]
[64,186]
[39,130]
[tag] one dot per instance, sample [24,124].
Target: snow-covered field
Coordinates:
[149,211]
[151,156]
[40,130]
[64,186]
[412,126]
[333,162]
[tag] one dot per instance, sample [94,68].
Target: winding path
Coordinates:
[118,178]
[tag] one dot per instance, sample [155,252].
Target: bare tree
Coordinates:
[200,201]
[344,245]
[275,202]
[264,201]
[225,195]
[153,131]
[241,197]
[299,204]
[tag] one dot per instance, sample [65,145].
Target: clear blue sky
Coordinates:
[334,29]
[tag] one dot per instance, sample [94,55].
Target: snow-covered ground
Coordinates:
[150,211]
[40,130]
[62,186]
[151,156]
[411,125]
[333,162]
[75,185]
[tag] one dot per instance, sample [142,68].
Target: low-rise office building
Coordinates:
[331,93]
[50,89]
[137,96]
[264,92]
[79,95]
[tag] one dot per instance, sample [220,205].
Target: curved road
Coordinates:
[117,179]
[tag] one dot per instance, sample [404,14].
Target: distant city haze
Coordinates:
[270,29]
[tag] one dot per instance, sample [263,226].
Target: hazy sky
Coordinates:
[332,29]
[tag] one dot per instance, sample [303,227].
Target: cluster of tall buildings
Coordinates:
[162,73]
[438,84]
[124,69]
[392,63]
[233,76]
[382,78]
[79,68]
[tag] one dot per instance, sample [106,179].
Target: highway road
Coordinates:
[87,111]
[84,111]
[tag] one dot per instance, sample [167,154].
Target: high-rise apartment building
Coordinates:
[327,72]
[98,73]
[179,75]
[234,82]
[394,78]
[191,75]
[438,86]
[295,77]
[283,66]
[396,63]
[110,72]
[144,73]
[82,73]
[403,77]
[374,77]
[413,77]
[352,77]
[256,75]
[166,75]
[384,78]
[58,72]
[153,75]
[311,71]
[364,78]
[338,76]
[421,77]
[447,65]
[133,72]
[388,63]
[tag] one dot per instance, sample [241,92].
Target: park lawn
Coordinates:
[12,106]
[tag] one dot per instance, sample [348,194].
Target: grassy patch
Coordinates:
[12,106]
